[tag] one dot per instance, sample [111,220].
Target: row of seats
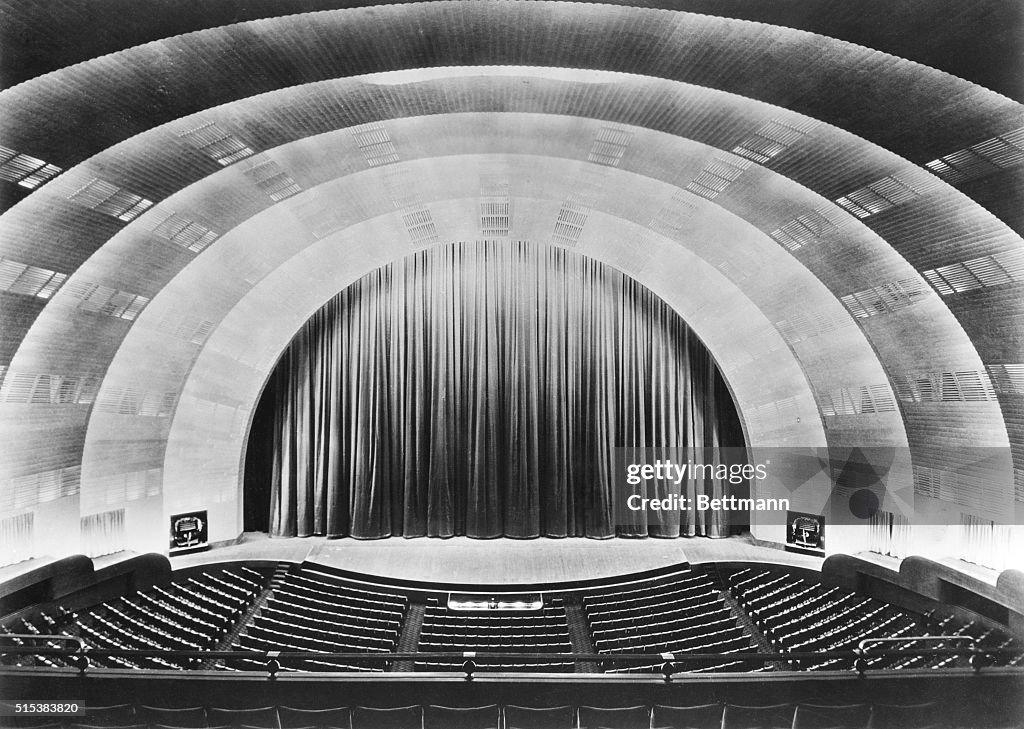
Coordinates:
[681,613]
[190,614]
[800,616]
[716,715]
[315,612]
[616,593]
[541,631]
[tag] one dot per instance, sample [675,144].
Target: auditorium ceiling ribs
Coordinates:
[865,268]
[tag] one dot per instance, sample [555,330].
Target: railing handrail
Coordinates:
[42,636]
[863,645]
[480,655]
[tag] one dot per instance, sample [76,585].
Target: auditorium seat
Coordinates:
[114,715]
[258,718]
[776,716]
[403,717]
[905,716]
[837,716]
[542,631]
[626,717]
[548,717]
[192,716]
[475,717]
[296,718]
[686,717]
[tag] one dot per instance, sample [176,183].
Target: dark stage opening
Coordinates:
[482,389]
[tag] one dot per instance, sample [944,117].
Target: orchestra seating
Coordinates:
[307,609]
[190,614]
[799,616]
[801,715]
[543,631]
[680,613]
[316,612]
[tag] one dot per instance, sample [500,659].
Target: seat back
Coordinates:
[626,717]
[687,717]
[776,716]
[904,716]
[550,717]
[189,716]
[292,718]
[401,717]
[264,717]
[475,717]
[114,715]
[825,716]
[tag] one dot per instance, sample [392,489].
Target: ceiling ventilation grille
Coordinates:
[804,325]
[375,144]
[882,195]
[857,400]
[25,171]
[98,299]
[131,400]
[673,216]
[609,146]
[994,270]
[886,298]
[1007,379]
[935,483]
[181,231]
[186,327]
[21,278]
[495,209]
[35,488]
[220,146]
[119,488]
[955,488]
[984,158]
[572,218]
[402,187]
[103,197]
[775,414]
[963,386]
[733,272]
[803,230]
[321,215]
[772,139]
[273,181]
[30,388]
[420,225]
[716,176]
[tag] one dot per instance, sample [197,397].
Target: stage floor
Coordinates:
[461,560]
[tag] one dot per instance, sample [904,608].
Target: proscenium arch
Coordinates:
[276,225]
[312,276]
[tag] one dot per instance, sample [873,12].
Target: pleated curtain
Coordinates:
[480,389]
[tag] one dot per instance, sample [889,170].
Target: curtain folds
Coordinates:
[480,389]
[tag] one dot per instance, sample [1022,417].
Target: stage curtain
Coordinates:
[480,389]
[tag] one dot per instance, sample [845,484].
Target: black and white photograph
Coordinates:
[512,364]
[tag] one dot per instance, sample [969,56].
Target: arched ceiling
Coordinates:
[855,209]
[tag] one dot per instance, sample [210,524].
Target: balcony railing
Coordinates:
[80,657]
